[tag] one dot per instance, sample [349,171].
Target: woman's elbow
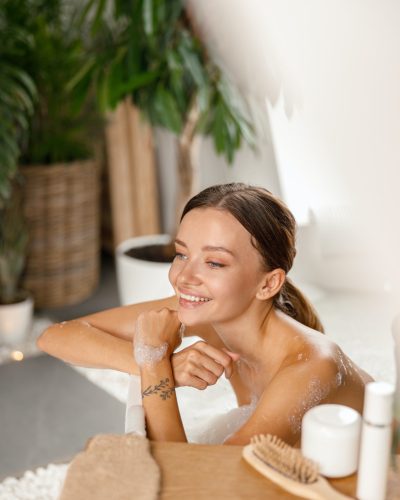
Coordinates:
[45,341]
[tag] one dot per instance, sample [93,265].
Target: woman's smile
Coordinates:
[191,301]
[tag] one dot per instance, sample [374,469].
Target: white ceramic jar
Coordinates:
[331,437]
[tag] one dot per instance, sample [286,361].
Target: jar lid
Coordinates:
[378,403]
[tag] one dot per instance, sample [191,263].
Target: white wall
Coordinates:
[327,76]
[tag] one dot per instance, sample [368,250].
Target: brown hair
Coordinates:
[273,229]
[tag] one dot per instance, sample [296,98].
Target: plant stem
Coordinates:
[188,158]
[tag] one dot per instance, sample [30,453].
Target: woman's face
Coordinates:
[216,272]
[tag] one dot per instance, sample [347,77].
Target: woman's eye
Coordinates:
[180,256]
[215,265]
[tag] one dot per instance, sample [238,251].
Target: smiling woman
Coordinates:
[234,248]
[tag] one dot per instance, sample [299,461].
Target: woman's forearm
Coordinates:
[163,420]
[77,342]
[99,340]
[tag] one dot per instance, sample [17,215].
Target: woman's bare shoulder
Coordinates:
[327,371]
[304,347]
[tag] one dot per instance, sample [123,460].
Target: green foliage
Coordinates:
[17,95]
[60,128]
[13,242]
[147,49]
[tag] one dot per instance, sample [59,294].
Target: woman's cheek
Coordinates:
[172,273]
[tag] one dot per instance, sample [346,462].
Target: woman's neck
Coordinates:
[248,334]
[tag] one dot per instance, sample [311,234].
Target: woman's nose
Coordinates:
[188,274]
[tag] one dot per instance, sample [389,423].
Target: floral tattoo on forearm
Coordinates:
[163,389]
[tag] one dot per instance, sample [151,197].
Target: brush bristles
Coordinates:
[284,459]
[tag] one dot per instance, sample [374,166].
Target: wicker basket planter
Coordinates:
[62,209]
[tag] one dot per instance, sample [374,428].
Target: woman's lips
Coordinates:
[190,301]
[187,304]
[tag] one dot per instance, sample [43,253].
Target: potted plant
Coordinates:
[16,304]
[150,52]
[17,96]
[61,176]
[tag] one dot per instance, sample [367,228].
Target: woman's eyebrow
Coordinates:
[208,248]
[180,242]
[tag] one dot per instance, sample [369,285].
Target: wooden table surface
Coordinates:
[216,472]
[125,466]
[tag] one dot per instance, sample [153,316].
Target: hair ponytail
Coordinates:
[293,302]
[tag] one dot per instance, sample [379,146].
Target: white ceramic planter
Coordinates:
[15,322]
[139,280]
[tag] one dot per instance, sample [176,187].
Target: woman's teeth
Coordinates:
[193,298]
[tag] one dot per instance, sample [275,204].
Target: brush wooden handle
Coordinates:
[320,490]
[325,490]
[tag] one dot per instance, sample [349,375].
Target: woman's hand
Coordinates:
[158,328]
[201,365]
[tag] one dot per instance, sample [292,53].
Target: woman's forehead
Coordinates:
[213,227]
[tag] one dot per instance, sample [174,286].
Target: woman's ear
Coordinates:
[273,282]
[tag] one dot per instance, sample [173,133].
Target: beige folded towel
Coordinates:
[117,467]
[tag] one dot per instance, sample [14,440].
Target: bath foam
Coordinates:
[316,392]
[146,354]
[219,428]
[149,355]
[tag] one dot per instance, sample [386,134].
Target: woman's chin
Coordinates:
[189,319]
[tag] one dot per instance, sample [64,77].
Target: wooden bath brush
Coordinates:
[288,468]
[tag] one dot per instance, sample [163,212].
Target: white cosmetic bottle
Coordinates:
[376,438]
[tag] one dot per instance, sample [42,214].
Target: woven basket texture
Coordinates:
[62,209]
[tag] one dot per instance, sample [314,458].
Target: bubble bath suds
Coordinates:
[222,426]
[146,354]
[316,392]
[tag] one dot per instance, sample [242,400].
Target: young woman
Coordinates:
[234,248]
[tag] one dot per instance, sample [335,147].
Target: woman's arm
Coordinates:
[100,340]
[79,343]
[105,340]
[163,420]
[156,338]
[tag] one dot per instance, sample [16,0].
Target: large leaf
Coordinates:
[167,110]
[137,81]
[85,70]
[236,107]
[218,131]
[193,65]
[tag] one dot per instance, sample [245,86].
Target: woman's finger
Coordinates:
[187,379]
[197,359]
[197,383]
[203,374]
[219,356]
